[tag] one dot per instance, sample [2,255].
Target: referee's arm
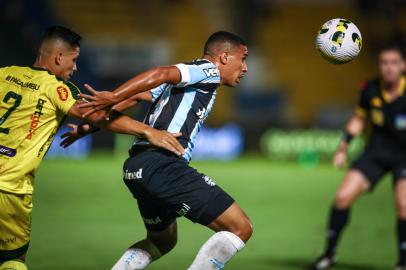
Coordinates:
[353,128]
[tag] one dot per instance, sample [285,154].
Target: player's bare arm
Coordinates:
[354,127]
[120,123]
[132,101]
[78,131]
[140,83]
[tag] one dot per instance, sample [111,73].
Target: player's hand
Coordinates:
[340,159]
[165,139]
[97,100]
[72,135]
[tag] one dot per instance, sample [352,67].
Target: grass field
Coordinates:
[84,217]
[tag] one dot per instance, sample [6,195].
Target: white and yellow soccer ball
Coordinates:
[339,41]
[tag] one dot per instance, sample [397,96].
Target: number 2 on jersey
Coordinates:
[17,101]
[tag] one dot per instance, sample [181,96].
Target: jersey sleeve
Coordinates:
[363,105]
[63,95]
[157,91]
[206,73]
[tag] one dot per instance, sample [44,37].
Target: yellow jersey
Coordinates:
[33,104]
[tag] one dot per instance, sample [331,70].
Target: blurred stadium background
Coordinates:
[267,142]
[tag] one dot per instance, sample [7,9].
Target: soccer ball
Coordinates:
[339,41]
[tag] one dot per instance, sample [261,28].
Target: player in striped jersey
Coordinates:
[164,184]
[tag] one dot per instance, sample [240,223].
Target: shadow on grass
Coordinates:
[303,264]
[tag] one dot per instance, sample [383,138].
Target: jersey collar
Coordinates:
[49,72]
[400,91]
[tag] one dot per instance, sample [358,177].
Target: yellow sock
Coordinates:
[13,265]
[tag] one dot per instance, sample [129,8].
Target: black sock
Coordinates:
[338,220]
[401,228]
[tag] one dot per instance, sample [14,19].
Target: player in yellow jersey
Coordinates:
[33,103]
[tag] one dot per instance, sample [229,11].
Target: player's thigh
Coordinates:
[159,222]
[355,183]
[138,172]
[15,225]
[400,197]
[178,188]
[198,198]
[233,220]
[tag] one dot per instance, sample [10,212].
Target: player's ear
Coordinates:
[224,58]
[58,59]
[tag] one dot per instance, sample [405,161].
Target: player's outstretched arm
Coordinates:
[132,101]
[140,83]
[120,123]
[78,131]
[353,128]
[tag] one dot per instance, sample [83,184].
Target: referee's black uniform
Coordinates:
[386,147]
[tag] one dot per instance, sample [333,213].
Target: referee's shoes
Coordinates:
[325,262]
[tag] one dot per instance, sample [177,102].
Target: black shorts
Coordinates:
[376,161]
[166,187]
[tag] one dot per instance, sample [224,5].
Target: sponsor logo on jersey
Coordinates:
[35,117]
[183,211]
[21,83]
[5,151]
[133,175]
[209,181]
[211,72]
[62,93]
[201,113]
[152,221]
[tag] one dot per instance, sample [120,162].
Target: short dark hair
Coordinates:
[392,46]
[222,37]
[62,33]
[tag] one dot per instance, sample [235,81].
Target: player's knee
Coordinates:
[243,230]
[165,244]
[343,200]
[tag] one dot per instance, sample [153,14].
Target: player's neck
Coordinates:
[40,63]
[210,58]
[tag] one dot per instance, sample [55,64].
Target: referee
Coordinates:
[382,105]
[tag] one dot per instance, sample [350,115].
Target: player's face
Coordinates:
[235,67]
[67,64]
[391,66]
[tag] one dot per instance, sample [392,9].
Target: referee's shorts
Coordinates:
[375,162]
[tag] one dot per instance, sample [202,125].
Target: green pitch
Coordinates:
[84,217]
